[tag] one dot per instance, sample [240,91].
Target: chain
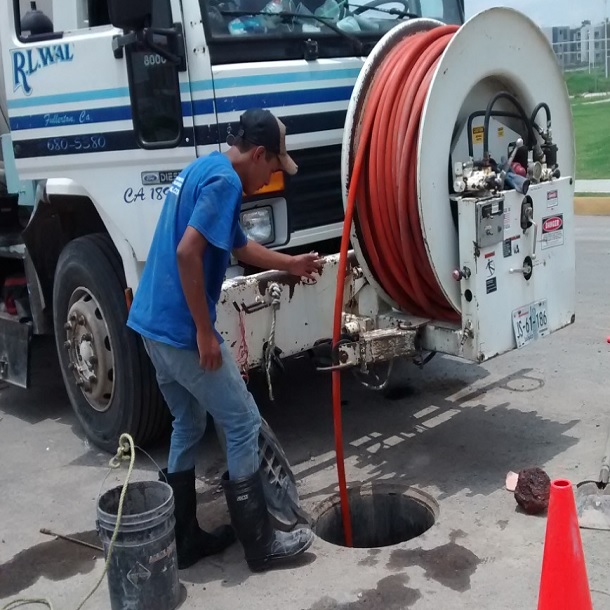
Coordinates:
[275,292]
[242,356]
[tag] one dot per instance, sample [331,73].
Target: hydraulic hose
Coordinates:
[382,200]
[537,110]
[517,104]
[495,113]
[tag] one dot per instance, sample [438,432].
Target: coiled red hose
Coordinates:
[383,193]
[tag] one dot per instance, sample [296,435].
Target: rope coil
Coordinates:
[125,452]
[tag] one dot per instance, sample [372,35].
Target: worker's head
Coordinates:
[260,146]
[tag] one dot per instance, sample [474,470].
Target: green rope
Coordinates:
[16,603]
[126,451]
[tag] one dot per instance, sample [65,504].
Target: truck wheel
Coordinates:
[108,376]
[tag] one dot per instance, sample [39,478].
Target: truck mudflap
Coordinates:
[15,341]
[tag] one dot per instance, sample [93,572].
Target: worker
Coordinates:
[174,310]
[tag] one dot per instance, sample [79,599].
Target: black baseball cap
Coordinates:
[262,128]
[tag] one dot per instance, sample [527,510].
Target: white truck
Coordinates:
[104,103]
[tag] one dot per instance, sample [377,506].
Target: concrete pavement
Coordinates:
[452,429]
[592,186]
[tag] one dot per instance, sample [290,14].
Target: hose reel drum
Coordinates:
[498,234]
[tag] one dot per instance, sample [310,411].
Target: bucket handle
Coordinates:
[115,462]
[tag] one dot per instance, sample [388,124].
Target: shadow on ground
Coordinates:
[440,432]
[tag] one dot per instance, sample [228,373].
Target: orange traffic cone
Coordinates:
[563,583]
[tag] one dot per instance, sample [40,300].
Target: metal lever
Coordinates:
[529,214]
[526,270]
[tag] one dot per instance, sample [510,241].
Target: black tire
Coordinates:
[90,266]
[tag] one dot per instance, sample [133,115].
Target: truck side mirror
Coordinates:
[148,23]
[132,15]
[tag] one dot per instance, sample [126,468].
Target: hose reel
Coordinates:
[408,148]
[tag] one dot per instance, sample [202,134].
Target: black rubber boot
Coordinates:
[193,543]
[264,546]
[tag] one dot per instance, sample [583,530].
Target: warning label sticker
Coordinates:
[511,246]
[490,264]
[477,134]
[552,231]
[552,199]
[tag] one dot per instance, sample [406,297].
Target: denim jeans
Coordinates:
[191,392]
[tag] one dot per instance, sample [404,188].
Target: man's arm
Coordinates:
[303,265]
[190,266]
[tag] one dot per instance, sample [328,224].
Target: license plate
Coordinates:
[530,322]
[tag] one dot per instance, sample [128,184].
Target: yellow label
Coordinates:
[477,135]
[500,132]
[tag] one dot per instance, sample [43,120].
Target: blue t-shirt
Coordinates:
[206,196]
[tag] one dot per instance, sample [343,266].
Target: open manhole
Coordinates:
[382,514]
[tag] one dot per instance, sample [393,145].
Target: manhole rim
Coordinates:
[374,487]
[368,489]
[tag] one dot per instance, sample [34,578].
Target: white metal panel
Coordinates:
[200,72]
[279,86]
[304,316]
[497,287]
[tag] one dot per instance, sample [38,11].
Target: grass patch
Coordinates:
[584,81]
[591,122]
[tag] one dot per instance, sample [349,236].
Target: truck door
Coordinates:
[106,108]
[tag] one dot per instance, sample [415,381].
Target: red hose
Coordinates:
[383,188]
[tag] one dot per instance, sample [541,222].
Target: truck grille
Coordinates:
[314,194]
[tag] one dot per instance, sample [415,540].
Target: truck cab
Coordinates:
[103,104]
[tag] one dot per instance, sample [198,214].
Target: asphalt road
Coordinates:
[452,430]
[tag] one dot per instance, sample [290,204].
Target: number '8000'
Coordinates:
[153,59]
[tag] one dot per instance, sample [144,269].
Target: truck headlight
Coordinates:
[258,224]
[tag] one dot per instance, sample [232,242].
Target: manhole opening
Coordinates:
[382,514]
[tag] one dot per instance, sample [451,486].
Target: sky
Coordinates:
[548,12]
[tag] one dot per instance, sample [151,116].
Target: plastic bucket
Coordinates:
[143,571]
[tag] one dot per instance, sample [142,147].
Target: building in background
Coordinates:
[579,47]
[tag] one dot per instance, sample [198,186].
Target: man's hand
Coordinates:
[305,265]
[210,356]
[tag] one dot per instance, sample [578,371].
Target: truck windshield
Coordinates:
[259,30]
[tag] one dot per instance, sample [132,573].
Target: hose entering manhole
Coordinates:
[383,513]
[383,195]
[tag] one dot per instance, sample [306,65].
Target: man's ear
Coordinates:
[259,152]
